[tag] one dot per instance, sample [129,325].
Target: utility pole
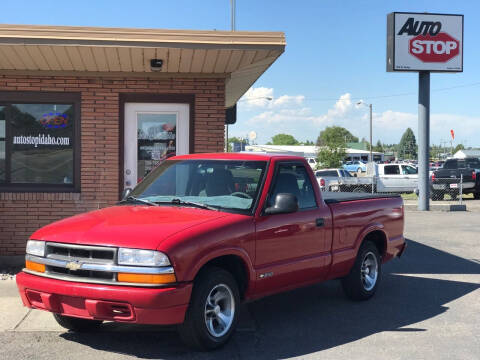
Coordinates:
[232,22]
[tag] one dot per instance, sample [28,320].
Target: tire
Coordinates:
[476,196]
[359,171]
[202,329]
[77,324]
[437,195]
[359,190]
[360,285]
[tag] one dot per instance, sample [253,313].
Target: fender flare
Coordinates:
[367,230]
[235,251]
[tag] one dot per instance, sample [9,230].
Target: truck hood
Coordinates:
[132,226]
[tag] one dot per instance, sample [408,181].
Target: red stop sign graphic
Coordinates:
[434,49]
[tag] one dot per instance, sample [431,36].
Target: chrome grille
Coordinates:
[80,254]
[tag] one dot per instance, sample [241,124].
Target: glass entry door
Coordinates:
[153,133]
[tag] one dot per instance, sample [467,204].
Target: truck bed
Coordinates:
[338,197]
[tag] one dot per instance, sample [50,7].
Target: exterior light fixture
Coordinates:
[156,64]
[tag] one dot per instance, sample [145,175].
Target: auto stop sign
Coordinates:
[424,42]
[434,49]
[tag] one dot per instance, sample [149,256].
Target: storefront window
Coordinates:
[37,146]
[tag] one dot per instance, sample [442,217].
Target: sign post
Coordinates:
[423,140]
[424,43]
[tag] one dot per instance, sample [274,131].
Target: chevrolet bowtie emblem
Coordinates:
[73,265]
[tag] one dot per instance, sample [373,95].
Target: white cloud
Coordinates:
[289,114]
[262,97]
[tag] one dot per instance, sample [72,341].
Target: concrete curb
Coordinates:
[439,207]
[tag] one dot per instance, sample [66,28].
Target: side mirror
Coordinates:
[284,203]
[126,192]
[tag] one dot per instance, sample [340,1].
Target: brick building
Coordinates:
[87,112]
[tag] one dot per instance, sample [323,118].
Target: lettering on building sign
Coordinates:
[41,139]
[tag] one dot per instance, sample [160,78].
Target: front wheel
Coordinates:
[213,312]
[77,324]
[364,277]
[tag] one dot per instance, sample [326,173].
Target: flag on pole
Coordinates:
[453,134]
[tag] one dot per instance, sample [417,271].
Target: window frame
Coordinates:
[274,182]
[31,97]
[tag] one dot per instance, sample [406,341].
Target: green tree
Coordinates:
[458,147]
[235,139]
[378,147]
[335,132]
[283,139]
[407,148]
[331,142]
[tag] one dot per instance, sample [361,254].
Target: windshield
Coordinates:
[223,184]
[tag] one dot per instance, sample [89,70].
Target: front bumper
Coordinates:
[161,306]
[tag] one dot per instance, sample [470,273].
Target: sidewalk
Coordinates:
[469,205]
[15,317]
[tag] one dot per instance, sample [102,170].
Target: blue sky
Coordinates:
[335,49]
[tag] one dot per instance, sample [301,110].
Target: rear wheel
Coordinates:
[476,195]
[213,313]
[364,277]
[77,324]
[359,171]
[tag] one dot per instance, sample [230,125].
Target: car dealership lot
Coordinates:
[428,306]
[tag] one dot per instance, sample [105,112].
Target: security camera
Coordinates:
[156,64]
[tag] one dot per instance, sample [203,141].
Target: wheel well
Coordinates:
[235,266]
[379,239]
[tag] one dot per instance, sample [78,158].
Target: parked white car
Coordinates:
[397,178]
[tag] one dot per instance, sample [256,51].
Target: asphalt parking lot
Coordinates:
[428,307]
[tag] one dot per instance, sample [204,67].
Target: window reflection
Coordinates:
[42,143]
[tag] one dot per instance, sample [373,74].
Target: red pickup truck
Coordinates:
[202,233]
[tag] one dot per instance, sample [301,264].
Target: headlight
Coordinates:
[36,248]
[142,257]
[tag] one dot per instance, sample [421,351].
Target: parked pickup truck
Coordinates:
[456,174]
[327,176]
[383,178]
[201,234]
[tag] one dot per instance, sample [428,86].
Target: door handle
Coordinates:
[320,222]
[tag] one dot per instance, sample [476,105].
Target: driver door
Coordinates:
[292,248]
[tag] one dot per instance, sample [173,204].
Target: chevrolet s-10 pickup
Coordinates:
[201,234]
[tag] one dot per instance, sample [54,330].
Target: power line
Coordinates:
[391,95]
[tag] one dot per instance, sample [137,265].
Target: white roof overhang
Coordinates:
[240,57]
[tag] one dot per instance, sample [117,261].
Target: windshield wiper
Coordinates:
[132,198]
[177,201]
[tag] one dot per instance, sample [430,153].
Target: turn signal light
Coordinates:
[147,278]
[30,265]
